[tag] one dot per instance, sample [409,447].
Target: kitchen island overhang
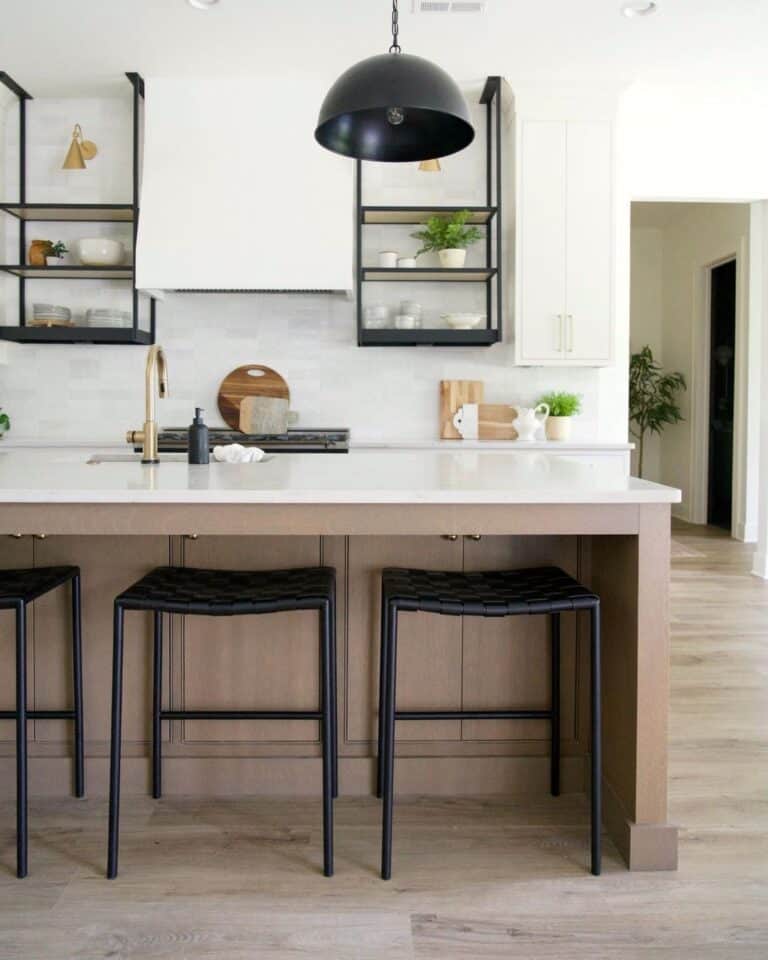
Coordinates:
[621,528]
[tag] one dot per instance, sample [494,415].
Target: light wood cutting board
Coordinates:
[494,421]
[252,380]
[454,394]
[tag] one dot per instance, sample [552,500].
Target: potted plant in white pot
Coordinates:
[562,406]
[54,256]
[449,237]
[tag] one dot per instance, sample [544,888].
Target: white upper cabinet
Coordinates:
[564,262]
[235,192]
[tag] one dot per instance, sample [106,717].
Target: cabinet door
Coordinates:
[265,662]
[428,649]
[588,325]
[506,662]
[108,565]
[541,241]
[15,553]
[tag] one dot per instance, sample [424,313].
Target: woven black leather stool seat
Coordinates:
[229,592]
[28,585]
[496,593]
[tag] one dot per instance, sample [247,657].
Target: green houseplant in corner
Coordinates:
[5,423]
[449,237]
[652,398]
[562,406]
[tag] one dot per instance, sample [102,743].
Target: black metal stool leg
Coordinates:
[596,852]
[554,773]
[390,700]
[22,838]
[77,676]
[326,621]
[334,704]
[157,705]
[383,635]
[114,765]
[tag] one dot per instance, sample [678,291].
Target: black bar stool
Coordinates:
[18,588]
[545,590]
[228,593]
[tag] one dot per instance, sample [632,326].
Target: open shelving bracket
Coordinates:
[25,212]
[490,274]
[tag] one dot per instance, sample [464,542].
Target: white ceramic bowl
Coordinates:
[464,321]
[100,252]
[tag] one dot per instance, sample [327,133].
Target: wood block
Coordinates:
[494,421]
[454,394]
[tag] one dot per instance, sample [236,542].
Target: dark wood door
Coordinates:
[721,393]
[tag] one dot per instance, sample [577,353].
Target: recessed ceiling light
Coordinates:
[202,4]
[641,8]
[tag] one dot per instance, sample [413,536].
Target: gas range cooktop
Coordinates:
[175,440]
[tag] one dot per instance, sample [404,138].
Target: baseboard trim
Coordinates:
[644,846]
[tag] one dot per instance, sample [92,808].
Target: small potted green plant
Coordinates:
[449,237]
[5,423]
[562,406]
[54,255]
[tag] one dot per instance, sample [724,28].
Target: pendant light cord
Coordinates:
[395,48]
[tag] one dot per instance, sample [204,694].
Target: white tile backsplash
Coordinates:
[95,393]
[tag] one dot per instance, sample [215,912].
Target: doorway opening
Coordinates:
[722,373]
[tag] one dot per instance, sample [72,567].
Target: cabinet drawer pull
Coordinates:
[16,536]
[569,333]
[191,536]
[449,536]
[559,344]
[474,536]
[41,536]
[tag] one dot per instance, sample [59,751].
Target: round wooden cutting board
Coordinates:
[252,380]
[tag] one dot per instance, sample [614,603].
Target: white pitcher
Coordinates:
[528,421]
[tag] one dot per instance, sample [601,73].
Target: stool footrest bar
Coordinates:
[240,715]
[473,715]
[40,714]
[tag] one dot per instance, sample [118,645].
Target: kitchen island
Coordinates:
[437,509]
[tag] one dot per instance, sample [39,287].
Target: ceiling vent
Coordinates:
[449,6]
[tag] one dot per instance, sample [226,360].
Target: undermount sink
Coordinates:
[96,458]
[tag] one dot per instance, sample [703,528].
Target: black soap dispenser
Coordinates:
[198,450]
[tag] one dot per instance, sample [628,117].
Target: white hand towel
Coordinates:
[237,453]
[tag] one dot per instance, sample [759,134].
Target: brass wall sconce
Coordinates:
[79,151]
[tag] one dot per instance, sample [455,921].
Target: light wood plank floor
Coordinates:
[473,878]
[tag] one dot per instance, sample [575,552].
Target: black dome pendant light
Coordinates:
[394,107]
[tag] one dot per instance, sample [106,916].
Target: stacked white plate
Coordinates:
[106,317]
[50,313]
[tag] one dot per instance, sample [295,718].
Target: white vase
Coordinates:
[54,261]
[558,428]
[452,257]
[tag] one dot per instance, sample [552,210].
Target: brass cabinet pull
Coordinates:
[16,536]
[41,536]
[474,536]
[191,536]
[450,536]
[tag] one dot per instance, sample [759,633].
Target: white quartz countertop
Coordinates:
[57,475]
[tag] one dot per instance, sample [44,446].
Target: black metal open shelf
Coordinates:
[113,335]
[408,215]
[391,337]
[24,213]
[64,212]
[430,274]
[67,272]
[489,274]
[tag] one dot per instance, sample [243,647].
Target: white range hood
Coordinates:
[236,194]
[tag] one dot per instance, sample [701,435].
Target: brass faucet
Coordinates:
[155,381]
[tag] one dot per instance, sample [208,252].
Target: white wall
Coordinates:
[672,245]
[647,326]
[95,392]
